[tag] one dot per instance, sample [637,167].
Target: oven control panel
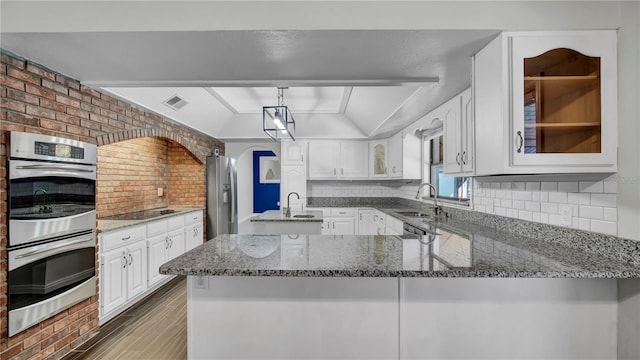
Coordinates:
[58,150]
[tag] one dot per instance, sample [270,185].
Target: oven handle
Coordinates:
[53,168]
[40,251]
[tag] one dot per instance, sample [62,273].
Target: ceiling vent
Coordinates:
[175,102]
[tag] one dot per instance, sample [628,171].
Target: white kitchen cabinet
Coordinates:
[294,179]
[546,102]
[123,275]
[393,226]
[338,221]
[458,134]
[395,158]
[378,157]
[157,255]
[193,236]
[329,160]
[293,152]
[176,243]
[365,222]
[113,286]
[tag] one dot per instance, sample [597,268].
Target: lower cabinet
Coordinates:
[338,221]
[123,275]
[130,258]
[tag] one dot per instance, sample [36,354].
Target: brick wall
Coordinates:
[36,99]
[129,174]
[186,178]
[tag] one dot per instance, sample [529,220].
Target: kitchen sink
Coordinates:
[414,214]
[303,216]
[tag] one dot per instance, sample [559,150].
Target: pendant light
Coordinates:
[277,121]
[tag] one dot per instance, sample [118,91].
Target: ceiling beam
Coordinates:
[267,83]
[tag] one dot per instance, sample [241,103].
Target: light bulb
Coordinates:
[277,120]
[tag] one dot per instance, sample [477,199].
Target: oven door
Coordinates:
[48,200]
[48,278]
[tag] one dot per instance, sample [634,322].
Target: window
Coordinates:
[449,187]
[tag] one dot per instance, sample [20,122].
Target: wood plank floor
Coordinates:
[154,329]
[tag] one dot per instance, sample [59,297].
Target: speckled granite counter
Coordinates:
[486,255]
[108,224]
[296,216]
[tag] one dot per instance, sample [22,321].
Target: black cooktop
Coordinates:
[140,215]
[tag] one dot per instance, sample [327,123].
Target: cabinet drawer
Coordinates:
[156,227]
[380,218]
[114,239]
[343,212]
[175,222]
[194,217]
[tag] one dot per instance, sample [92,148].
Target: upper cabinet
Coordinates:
[552,99]
[395,158]
[458,131]
[293,152]
[338,160]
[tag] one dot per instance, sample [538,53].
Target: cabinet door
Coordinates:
[323,159]
[365,222]
[157,248]
[293,180]
[193,236]
[325,228]
[113,290]
[467,132]
[136,269]
[176,244]
[395,156]
[378,158]
[293,152]
[343,226]
[564,109]
[452,153]
[353,159]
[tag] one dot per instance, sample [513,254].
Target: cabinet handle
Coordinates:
[458,158]
[342,171]
[195,218]
[385,170]
[170,242]
[124,258]
[334,171]
[360,217]
[126,238]
[166,242]
[334,224]
[521,141]
[463,156]
[130,259]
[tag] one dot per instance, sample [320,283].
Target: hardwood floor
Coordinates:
[154,329]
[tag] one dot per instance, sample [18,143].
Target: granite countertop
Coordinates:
[448,254]
[278,216]
[115,222]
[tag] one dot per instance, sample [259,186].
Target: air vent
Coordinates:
[175,102]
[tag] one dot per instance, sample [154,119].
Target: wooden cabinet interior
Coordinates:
[562,103]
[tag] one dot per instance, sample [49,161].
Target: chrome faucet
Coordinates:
[436,208]
[287,210]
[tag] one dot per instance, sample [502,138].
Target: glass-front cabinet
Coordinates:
[564,96]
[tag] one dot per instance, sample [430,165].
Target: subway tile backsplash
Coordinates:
[592,204]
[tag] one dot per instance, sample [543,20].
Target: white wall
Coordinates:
[243,152]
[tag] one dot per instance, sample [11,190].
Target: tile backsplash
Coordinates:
[390,188]
[585,205]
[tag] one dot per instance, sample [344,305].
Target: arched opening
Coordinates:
[147,173]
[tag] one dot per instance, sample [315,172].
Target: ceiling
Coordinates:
[341,83]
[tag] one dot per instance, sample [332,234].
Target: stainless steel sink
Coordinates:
[303,216]
[414,214]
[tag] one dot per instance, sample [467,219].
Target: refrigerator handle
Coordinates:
[233,193]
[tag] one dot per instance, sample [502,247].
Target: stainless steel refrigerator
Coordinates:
[222,198]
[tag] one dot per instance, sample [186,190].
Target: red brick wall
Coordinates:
[186,178]
[36,99]
[129,175]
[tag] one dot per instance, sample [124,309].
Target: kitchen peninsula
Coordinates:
[276,222]
[405,297]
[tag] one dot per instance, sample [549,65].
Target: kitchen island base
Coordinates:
[401,318]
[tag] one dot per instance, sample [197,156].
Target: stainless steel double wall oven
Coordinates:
[52,220]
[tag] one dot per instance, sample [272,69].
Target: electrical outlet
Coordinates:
[160,191]
[565,215]
[202,282]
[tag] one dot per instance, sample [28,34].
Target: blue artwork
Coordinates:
[266,181]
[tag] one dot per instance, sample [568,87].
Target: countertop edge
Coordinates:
[120,224]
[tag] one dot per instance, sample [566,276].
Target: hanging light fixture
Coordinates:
[277,121]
